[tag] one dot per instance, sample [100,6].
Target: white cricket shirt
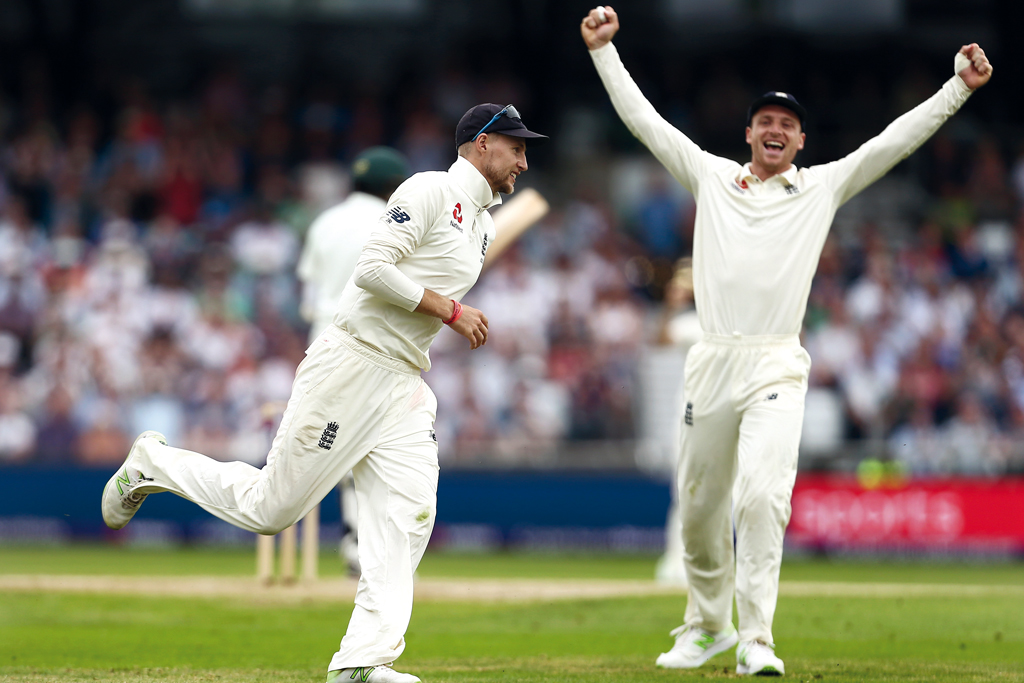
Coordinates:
[332,248]
[756,244]
[433,234]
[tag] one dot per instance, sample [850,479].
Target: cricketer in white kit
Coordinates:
[329,256]
[358,402]
[758,234]
[335,239]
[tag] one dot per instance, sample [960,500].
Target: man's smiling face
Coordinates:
[774,136]
[504,161]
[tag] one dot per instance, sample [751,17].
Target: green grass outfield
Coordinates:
[132,637]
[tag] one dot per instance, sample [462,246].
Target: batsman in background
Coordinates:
[358,402]
[329,256]
[758,235]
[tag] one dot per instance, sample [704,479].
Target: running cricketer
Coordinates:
[358,402]
[758,235]
[329,256]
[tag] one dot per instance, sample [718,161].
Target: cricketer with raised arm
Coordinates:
[759,231]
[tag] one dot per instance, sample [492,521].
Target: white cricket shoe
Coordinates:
[121,496]
[370,674]
[755,658]
[694,646]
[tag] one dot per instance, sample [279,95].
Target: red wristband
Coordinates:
[456,313]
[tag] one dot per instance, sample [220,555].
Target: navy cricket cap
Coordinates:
[782,99]
[480,119]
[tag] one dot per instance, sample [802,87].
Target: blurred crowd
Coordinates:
[147,281]
[921,339]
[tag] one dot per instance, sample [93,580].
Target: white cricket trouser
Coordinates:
[744,413]
[347,487]
[351,408]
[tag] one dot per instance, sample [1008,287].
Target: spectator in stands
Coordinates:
[17,430]
[971,446]
[918,444]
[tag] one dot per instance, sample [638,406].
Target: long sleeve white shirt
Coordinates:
[756,244]
[433,234]
[333,245]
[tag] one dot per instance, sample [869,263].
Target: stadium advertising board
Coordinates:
[941,515]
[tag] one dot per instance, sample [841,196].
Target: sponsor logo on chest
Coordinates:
[456,221]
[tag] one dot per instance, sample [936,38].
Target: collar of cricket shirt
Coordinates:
[473,183]
[787,177]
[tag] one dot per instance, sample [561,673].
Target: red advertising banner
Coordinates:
[958,515]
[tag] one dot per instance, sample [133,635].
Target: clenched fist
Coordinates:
[595,33]
[978,69]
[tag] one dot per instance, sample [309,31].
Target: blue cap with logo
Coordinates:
[782,99]
[493,118]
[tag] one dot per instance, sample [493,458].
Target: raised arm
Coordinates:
[684,159]
[902,137]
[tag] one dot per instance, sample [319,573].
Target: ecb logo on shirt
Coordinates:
[398,215]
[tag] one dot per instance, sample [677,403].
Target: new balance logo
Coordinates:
[362,673]
[327,438]
[397,215]
[483,251]
[688,417]
[772,397]
[705,641]
[792,189]
[123,479]
[433,435]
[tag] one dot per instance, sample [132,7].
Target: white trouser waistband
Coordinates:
[752,339]
[369,353]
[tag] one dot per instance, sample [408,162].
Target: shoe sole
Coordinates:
[112,482]
[715,649]
[342,675]
[766,671]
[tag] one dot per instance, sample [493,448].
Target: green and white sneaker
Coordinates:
[121,496]
[755,658]
[694,646]
[370,674]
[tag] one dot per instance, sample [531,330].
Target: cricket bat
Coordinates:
[515,217]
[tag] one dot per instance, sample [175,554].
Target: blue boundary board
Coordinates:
[501,499]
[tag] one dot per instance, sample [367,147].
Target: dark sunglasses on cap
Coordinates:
[508,111]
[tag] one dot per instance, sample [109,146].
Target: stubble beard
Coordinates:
[498,178]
